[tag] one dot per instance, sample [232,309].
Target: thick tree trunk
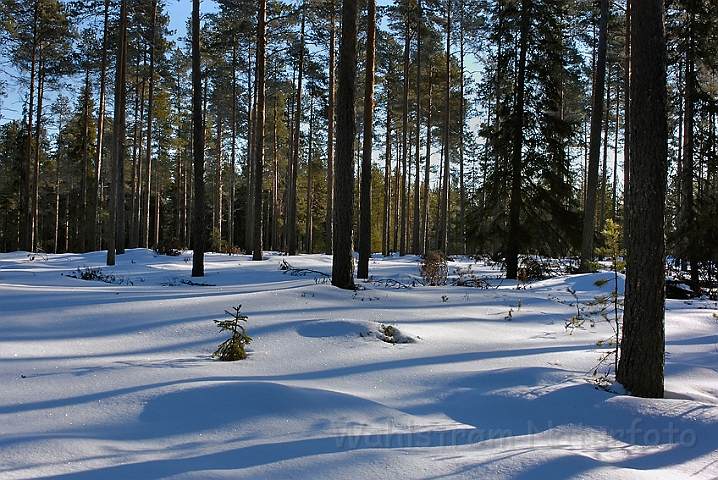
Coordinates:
[198,148]
[641,365]
[343,259]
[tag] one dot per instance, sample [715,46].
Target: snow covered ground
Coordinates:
[116,380]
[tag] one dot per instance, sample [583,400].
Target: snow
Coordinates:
[116,380]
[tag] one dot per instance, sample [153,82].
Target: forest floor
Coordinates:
[114,378]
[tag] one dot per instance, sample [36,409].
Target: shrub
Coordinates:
[434,269]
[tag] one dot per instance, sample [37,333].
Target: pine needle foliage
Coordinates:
[233,348]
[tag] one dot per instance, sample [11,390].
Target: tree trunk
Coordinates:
[686,208]
[330,136]
[26,228]
[404,140]
[100,133]
[366,168]
[514,233]
[343,259]
[443,233]
[291,223]
[427,170]
[641,365]
[386,227]
[589,211]
[115,244]
[150,114]
[416,235]
[198,148]
[260,116]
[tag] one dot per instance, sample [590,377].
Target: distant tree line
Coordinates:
[496,127]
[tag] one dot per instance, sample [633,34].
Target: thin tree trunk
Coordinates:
[150,117]
[291,223]
[36,163]
[260,116]
[330,135]
[100,133]
[26,239]
[416,237]
[427,170]
[366,167]
[443,238]
[404,140]
[386,237]
[589,215]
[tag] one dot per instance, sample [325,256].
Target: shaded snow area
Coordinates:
[114,379]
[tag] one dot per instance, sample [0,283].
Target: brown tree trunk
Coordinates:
[589,211]
[366,167]
[330,137]
[514,233]
[641,365]
[343,259]
[198,148]
[260,116]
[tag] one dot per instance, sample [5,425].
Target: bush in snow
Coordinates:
[233,348]
[434,269]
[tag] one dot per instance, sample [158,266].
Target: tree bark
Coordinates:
[330,136]
[198,148]
[115,244]
[260,109]
[365,196]
[515,203]
[641,366]
[589,211]
[343,259]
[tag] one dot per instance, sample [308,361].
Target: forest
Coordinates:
[492,127]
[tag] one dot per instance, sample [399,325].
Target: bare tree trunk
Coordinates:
[150,114]
[330,136]
[26,228]
[512,245]
[94,229]
[404,140]
[308,225]
[386,236]
[291,223]
[589,211]
[198,148]
[36,164]
[260,109]
[366,167]
[641,366]
[416,237]
[343,259]
[427,170]
[443,240]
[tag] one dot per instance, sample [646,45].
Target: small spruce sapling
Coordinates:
[233,348]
